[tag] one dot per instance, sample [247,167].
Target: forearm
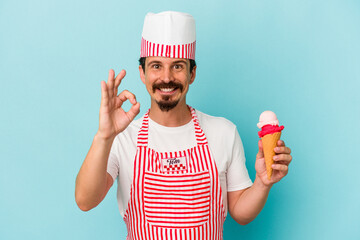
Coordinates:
[250,203]
[91,179]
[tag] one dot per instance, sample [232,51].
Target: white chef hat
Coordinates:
[168,34]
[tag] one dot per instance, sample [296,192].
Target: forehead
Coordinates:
[166,60]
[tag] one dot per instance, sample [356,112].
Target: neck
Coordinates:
[178,116]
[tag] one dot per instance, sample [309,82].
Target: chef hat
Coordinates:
[168,34]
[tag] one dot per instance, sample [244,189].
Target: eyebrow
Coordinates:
[180,61]
[152,62]
[158,62]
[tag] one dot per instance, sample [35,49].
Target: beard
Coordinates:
[165,104]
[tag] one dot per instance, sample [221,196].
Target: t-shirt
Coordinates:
[224,143]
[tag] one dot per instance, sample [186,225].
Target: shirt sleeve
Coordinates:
[113,160]
[237,174]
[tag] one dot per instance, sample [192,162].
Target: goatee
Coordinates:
[165,104]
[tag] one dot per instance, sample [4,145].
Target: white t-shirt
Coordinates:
[224,143]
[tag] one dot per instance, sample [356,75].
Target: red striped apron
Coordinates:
[175,195]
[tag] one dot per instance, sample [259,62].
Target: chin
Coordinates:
[166,106]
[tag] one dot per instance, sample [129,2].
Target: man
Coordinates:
[178,170]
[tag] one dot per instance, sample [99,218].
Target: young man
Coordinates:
[178,170]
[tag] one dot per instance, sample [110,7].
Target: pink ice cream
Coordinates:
[268,123]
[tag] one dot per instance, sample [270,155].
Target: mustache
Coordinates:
[171,84]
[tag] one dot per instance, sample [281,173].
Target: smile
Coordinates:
[167,89]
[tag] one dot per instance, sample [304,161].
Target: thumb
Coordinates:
[260,154]
[134,110]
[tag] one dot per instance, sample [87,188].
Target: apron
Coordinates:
[175,195]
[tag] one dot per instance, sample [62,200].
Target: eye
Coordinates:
[178,66]
[155,66]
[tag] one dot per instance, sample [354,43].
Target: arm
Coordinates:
[93,182]
[245,205]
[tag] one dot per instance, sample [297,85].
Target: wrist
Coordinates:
[261,185]
[105,139]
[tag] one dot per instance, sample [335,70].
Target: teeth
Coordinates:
[167,89]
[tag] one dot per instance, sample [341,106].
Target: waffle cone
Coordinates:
[269,143]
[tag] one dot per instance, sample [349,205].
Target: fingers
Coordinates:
[283,158]
[118,79]
[134,110]
[280,143]
[113,83]
[124,95]
[280,167]
[110,83]
[109,90]
[104,94]
[282,149]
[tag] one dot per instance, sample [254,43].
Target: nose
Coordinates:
[167,75]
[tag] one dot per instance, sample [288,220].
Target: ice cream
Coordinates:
[270,133]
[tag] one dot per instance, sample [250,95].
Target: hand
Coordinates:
[113,119]
[282,160]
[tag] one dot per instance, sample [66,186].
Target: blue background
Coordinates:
[300,59]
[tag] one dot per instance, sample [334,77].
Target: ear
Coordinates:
[193,75]
[142,74]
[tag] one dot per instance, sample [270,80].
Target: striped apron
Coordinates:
[175,195]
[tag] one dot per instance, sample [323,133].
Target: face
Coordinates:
[167,80]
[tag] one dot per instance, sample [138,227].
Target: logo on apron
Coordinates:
[173,164]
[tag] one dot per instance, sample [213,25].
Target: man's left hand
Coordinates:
[280,167]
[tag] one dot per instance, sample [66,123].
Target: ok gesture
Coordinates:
[113,118]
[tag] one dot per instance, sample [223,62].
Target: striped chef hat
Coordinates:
[168,34]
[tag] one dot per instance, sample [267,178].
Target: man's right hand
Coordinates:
[113,119]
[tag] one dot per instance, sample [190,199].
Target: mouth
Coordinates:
[167,88]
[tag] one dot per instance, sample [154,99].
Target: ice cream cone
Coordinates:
[269,142]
